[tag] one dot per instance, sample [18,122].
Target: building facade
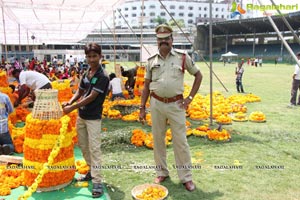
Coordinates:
[147,13]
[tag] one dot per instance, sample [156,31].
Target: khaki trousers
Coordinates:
[160,112]
[89,141]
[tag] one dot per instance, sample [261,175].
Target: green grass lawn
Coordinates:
[255,145]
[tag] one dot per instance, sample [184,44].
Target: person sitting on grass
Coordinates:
[131,75]
[6,144]
[115,87]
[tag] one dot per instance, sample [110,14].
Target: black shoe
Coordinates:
[6,150]
[86,177]
[1,150]
[97,190]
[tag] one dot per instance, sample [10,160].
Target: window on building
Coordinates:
[152,6]
[172,7]
[126,15]
[199,15]
[152,14]
[23,48]
[205,15]
[126,9]
[162,14]
[222,9]
[205,9]
[216,16]
[143,8]
[222,16]
[191,8]
[217,9]
[181,7]
[190,21]
[133,15]
[181,14]
[134,8]
[190,14]
[172,14]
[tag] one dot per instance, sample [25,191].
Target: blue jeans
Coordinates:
[120,95]
[5,138]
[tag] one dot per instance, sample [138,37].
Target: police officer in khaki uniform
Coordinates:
[164,82]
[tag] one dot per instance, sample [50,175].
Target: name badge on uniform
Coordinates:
[94,80]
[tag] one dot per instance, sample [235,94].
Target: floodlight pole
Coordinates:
[210,65]
[281,37]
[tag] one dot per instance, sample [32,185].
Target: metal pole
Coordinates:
[116,40]
[253,44]
[282,39]
[114,33]
[19,40]
[286,23]
[4,32]
[141,41]
[133,31]
[210,64]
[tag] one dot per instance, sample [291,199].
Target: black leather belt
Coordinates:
[165,99]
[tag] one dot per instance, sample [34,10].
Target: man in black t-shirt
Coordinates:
[90,96]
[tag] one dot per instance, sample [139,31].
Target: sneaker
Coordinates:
[86,177]
[6,150]
[291,105]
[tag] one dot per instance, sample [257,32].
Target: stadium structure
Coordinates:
[253,37]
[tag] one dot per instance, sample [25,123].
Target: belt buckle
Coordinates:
[165,100]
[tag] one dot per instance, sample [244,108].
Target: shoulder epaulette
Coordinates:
[152,56]
[180,51]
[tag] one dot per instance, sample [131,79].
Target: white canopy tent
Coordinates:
[229,55]
[52,21]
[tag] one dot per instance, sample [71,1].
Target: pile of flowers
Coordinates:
[224,119]
[114,114]
[3,79]
[240,117]
[11,177]
[152,193]
[64,89]
[48,150]
[257,116]
[140,138]
[82,167]
[139,81]
[201,131]
[217,135]
[131,117]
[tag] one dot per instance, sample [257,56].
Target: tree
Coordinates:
[159,20]
[180,23]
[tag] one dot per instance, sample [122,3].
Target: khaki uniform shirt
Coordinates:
[167,78]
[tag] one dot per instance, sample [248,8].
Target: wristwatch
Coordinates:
[142,107]
[190,98]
